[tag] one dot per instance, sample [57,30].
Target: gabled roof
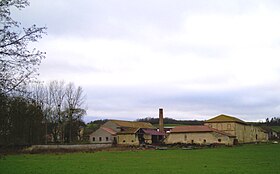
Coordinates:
[109,130]
[134,124]
[153,132]
[187,129]
[224,118]
[130,130]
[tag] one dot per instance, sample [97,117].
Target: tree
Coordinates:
[62,107]
[21,123]
[18,63]
[74,106]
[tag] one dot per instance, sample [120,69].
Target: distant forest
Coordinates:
[170,121]
[275,121]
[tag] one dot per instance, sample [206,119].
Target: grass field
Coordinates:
[255,158]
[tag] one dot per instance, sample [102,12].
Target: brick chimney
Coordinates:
[161,128]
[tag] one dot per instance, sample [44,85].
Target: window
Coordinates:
[132,141]
[220,126]
[123,141]
[219,140]
[192,141]
[93,138]
[228,127]
[204,141]
[185,137]
[107,138]
[100,138]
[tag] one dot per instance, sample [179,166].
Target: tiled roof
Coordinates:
[109,130]
[193,129]
[134,124]
[153,132]
[179,129]
[224,118]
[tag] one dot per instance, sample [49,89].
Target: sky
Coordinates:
[195,59]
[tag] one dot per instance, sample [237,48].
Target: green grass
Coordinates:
[275,128]
[260,158]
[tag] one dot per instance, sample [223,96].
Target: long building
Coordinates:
[244,132]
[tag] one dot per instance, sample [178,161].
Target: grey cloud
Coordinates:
[248,103]
[115,19]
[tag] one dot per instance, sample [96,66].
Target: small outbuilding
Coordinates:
[103,135]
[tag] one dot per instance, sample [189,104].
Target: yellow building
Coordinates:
[126,133]
[244,132]
[198,135]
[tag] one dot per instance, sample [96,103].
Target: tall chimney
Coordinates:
[161,129]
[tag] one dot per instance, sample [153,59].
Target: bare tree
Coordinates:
[74,103]
[57,94]
[62,107]
[18,63]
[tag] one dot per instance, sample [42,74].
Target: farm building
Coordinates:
[198,135]
[103,135]
[126,133]
[244,132]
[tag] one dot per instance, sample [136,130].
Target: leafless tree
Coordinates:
[18,63]
[74,104]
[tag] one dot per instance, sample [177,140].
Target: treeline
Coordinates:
[21,121]
[43,113]
[91,127]
[63,107]
[275,121]
[170,121]
[21,117]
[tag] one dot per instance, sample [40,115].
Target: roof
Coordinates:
[130,130]
[134,124]
[152,132]
[224,118]
[195,129]
[181,129]
[109,130]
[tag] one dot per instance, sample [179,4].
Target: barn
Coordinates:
[244,132]
[198,135]
[126,133]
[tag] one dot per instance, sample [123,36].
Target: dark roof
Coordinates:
[224,118]
[133,124]
[152,132]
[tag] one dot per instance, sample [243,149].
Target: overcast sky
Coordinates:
[195,59]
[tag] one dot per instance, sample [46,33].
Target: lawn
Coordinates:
[255,158]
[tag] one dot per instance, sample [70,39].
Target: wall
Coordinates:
[148,138]
[244,133]
[67,147]
[128,139]
[103,134]
[198,138]
[228,127]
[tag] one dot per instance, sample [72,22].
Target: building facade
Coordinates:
[103,135]
[198,135]
[244,132]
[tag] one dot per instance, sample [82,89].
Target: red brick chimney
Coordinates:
[161,128]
